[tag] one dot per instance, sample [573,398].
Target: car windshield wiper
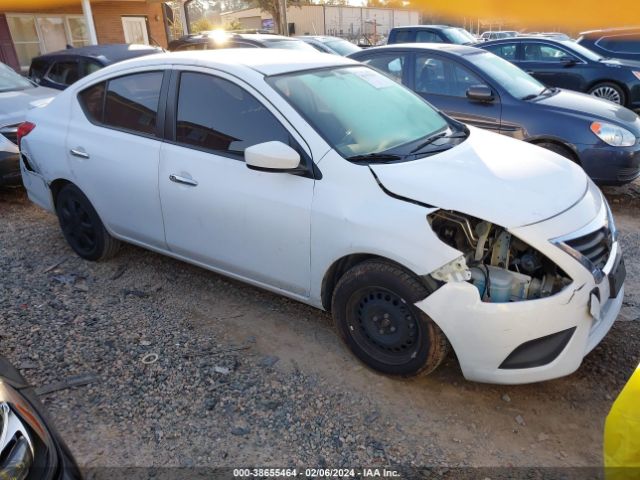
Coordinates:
[536,95]
[378,157]
[433,138]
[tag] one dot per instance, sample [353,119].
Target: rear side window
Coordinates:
[216,115]
[427,37]
[132,102]
[506,51]
[404,36]
[621,43]
[64,73]
[92,101]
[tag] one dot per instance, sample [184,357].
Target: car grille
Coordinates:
[596,246]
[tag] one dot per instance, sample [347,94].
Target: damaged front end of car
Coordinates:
[501,266]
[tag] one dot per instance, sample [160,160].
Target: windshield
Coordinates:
[456,36]
[585,52]
[468,35]
[358,110]
[289,45]
[515,81]
[342,47]
[10,80]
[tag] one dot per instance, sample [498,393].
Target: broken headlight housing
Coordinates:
[502,267]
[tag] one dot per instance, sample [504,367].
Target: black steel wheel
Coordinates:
[81,225]
[374,312]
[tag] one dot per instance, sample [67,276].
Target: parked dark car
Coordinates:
[566,64]
[60,69]
[483,90]
[430,34]
[333,45]
[30,448]
[613,42]
[218,39]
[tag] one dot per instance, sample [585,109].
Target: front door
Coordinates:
[135,30]
[216,210]
[444,83]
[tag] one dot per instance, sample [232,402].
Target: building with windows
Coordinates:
[353,23]
[29,28]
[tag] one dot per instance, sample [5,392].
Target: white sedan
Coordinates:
[323,180]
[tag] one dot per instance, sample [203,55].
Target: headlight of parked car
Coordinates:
[613,135]
[26,447]
[636,74]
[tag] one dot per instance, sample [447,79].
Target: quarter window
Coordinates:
[132,102]
[217,115]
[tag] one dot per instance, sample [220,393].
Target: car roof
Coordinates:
[451,48]
[538,38]
[605,31]
[109,53]
[265,61]
[412,27]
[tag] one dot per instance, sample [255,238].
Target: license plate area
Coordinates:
[616,277]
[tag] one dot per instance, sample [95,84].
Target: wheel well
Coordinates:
[56,186]
[340,267]
[622,86]
[562,145]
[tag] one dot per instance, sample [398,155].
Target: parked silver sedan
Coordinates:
[17,95]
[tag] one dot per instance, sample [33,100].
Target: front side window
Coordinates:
[537,52]
[621,43]
[64,72]
[358,110]
[391,63]
[219,116]
[132,102]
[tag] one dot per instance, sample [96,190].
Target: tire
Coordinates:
[609,91]
[81,226]
[559,149]
[374,313]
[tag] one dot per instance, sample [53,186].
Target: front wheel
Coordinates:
[82,227]
[609,91]
[374,313]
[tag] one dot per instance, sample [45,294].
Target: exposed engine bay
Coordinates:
[502,267]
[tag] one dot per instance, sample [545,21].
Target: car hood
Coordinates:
[593,108]
[621,62]
[13,105]
[489,176]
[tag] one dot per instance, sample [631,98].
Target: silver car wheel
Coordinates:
[607,93]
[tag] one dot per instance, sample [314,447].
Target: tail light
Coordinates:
[23,130]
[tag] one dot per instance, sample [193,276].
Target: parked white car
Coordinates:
[323,180]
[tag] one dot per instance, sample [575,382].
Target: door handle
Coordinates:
[530,72]
[184,180]
[79,152]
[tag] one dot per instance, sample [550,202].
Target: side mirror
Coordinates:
[271,157]
[480,93]
[568,61]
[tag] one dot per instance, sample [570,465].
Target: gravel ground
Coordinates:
[244,377]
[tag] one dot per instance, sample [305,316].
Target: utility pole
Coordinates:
[285,20]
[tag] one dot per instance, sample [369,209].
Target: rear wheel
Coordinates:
[82,227]
[609,91]
[374,313]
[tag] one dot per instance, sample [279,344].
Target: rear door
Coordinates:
[113,148]
[444,82]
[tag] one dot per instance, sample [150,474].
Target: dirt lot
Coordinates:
[244,377]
